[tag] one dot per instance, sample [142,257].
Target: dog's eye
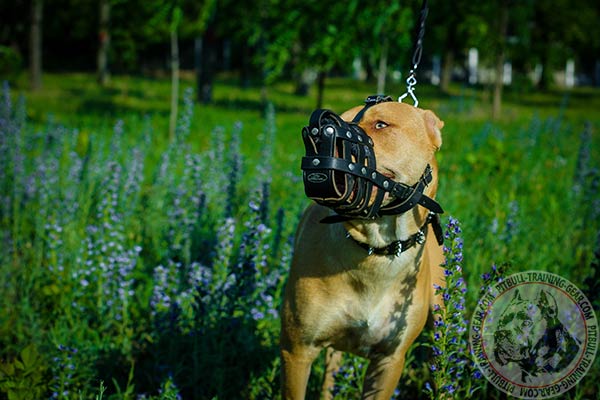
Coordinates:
[380,125]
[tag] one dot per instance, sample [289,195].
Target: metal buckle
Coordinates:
[378,98]
[398,248]
[420,237]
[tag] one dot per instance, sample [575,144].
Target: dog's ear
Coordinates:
[434,126]
[547,304]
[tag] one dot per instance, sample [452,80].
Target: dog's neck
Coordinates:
[390,228]
[387,229]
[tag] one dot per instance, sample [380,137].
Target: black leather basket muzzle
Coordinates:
[339,165]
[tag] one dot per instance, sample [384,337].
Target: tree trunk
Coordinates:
[198,58]
[206,67]
[447,67]
[104,43]
[368,65]
[498,86]
[35,45]
[320,88]
[245,71]
[302,85]
[544,82]
[382,71]
[304,81]
[174,81]
[500,56]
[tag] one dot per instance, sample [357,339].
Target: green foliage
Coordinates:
[157,267]
[285,37]
[10,62]
[24,377]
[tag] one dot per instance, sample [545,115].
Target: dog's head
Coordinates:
[523,324]
[405,138]
[372,160]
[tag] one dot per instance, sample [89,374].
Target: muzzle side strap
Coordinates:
[409,196]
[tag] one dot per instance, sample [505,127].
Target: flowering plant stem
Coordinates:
[449,336]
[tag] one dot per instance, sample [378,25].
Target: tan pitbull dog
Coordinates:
[339,296]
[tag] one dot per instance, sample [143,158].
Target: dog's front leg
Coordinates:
[382,377]
[295,371]
[333,359]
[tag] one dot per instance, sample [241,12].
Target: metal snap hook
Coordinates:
[411,81]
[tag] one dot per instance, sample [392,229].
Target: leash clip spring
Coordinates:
[411,81]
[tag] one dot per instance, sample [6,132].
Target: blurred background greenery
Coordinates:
[160,142]
[531,45]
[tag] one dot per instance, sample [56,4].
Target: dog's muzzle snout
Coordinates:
[339,160]
[340,171]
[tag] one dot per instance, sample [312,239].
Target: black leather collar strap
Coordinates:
[399,246]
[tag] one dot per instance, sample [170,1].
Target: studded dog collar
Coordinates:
[399,246]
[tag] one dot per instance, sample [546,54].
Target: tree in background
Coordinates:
[563,29]
[321,37]
[452,25]
[248,24]
[508,21]
[175,19]
[103,42]
[306,36]
[168,15]
[199,26]
[270,39]
[500,29]
[386,34]
[191,17]
[35,44]
[497,28]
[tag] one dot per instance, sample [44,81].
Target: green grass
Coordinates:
[524,188]
[485,165]
[77,101]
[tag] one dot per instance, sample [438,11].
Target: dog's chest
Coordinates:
[373,324]
[372,317]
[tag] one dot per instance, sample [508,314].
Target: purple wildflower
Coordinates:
[449,333]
